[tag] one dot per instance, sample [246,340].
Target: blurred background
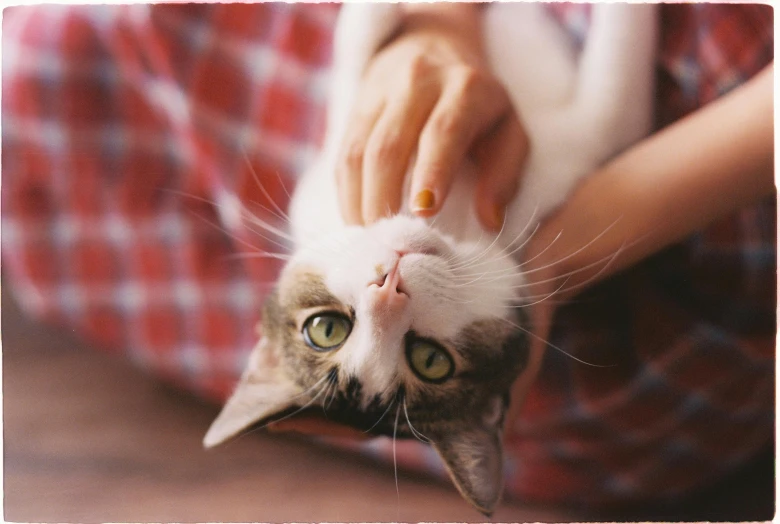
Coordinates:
[90,438]
[127,310]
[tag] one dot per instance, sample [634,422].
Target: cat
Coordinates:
[414,328]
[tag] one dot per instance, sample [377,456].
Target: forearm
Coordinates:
[697,170]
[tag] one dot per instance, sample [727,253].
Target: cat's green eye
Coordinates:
[429,361]
[326,331]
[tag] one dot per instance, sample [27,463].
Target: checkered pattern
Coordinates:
[123,125]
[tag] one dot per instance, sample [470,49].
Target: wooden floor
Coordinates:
[90,439]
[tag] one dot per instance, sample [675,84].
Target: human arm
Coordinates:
[703,167]
[431,87]
[699,169]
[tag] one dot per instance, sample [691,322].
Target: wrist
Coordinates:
[459,21]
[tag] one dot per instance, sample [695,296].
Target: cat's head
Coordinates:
[394,329]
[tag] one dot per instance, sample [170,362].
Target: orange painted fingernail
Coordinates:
[424,200]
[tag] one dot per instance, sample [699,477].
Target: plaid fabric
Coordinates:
[122,125]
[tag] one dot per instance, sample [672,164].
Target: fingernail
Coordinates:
[424,200]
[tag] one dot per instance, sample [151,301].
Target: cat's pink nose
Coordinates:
[386,296]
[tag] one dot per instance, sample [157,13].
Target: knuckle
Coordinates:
[414,74]
[467,81]
[352,159]
[418,67]
[385,151]
[445,124]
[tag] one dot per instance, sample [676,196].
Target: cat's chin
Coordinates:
[411,235]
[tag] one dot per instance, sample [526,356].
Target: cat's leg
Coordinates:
[536,61]
[531,55]
[610,108]
[615,86]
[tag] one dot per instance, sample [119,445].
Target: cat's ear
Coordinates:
[262,392]
[474,458]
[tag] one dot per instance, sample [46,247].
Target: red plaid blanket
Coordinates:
[123,125]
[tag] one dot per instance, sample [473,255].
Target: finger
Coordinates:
[349,163]
[466,109]
[388,152]
[500,161]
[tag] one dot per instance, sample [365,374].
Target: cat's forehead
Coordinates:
[302,287]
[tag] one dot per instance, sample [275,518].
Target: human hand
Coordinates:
[430,90]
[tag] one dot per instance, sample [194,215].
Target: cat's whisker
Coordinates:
[509,253]
[261,254]
[479,277]
[191,196]
[395,461]
[606,260]
[267,209]
[419,436]
[333,396]
[228,233]
[553,346]
[257,221]
[484,251]
[506,272]
[510,272]
[284,187]
[527,225]
[473,262]
[316,385]
[390,405]
[271,240]
[463,301]
[279,213]
[467,261]
[476,244]
[596,275]
[509,245]
[247,212]
[289,415]
[262,188]
[574,253]
[333,380]
[244,213]
[542,252]
[333,388]
[518,248]
[530,304]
